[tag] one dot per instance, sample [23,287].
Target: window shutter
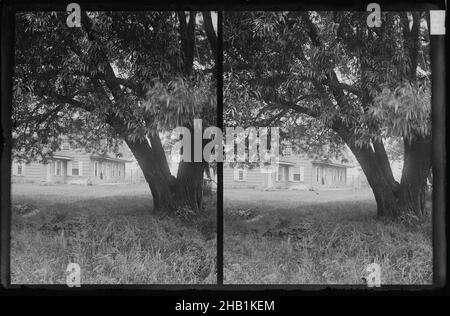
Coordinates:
[80,168]
[291,174]
[302,173]
[69,168]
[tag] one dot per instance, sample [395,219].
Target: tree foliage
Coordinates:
[330,74]
[121,74]
[326,65]
[404,112]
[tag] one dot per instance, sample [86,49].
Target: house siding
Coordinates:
[254,179]
[31,172]
[39,172]
[300,162]
[335,176]
[78,156]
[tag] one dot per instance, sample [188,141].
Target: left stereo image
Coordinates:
[99,192]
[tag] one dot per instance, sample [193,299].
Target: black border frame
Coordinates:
[440,242]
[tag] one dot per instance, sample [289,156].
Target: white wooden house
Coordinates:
[291,170]
[71,165]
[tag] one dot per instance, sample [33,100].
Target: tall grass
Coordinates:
[322,243]
[115,240]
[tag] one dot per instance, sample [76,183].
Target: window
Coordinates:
[72,167]
[75,168]
[65,146]
[287,152]
[120,171]
[240,174]
[19,169]
[95,168]
[298,174]
[317,174]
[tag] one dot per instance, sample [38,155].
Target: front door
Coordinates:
[48,172]
[269,180]
[102,171]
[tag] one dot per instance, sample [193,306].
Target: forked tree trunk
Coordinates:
[181,195]
[189,183]
[392,198]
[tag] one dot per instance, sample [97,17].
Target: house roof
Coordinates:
[109,158]
[332,164]
[61,157]
[286,163]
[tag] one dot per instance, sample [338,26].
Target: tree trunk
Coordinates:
[189,184]
[190,178]
[393,198]
[416,168]
[181,195]
[380,180]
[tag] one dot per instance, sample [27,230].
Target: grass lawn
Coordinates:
[325,237]
[110,232]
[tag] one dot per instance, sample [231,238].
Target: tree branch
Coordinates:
[382,158]
[276,117]
[210,33]
[332,80]
[109,76]
[187,39]
[312,31]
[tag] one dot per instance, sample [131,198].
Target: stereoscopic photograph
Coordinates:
[346,198]
[222,148]
[99,194]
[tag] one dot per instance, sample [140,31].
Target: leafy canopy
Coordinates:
[122,74]
[356,83]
